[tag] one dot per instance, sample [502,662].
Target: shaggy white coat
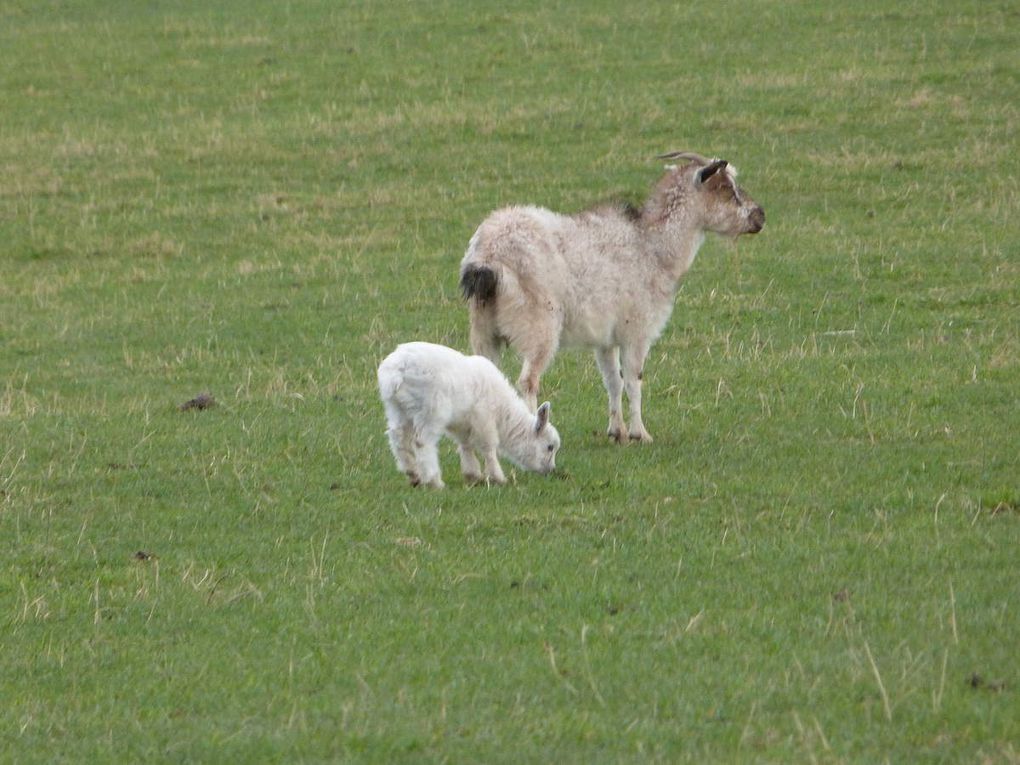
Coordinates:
[430,390]
[603,279]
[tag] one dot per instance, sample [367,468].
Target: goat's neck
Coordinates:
[513,419]
[677,230]
[677,245]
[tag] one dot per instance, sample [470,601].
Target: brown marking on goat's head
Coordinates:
[705,190]
[728,209]
[668,200]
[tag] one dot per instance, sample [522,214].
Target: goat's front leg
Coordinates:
[469,466]
[609,364]
[633,373]
[493,471]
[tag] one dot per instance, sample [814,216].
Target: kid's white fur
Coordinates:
[430,390]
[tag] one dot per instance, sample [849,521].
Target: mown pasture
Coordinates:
[817,559]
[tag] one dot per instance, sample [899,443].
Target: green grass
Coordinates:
[816,561]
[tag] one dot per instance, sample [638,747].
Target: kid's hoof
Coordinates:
[473,479]
[414,479]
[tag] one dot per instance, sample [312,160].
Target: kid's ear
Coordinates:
[542,416]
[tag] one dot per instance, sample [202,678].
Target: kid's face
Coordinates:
[545,450]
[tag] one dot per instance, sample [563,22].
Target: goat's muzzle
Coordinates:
[756,220]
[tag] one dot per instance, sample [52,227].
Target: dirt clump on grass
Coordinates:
[201,401]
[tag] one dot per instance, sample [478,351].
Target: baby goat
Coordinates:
[429,390]
[603,279]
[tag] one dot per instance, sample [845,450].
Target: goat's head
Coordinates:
[710,187]
[536,448]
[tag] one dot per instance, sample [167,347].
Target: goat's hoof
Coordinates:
[643,437]
[617,436]
[473,479]
[414,479]
[436,483]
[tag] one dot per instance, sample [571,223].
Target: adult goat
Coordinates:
[603,279]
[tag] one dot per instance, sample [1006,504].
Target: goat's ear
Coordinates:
[542,416]
[707,172]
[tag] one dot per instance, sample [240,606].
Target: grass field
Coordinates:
[817,559]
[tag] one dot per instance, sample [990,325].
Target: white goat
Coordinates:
[428,390]
[602,279]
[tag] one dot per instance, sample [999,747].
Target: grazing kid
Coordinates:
[430,390]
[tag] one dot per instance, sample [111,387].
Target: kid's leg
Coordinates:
[469,463]
[428,459]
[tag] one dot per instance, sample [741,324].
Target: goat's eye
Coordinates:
[550,447]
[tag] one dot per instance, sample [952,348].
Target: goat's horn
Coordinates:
[685,155]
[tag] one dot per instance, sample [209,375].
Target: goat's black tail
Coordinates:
[478,282]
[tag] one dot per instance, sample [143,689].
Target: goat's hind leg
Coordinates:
[427,449]
[609,364]
[484,337]
[402,444]
[536,356]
